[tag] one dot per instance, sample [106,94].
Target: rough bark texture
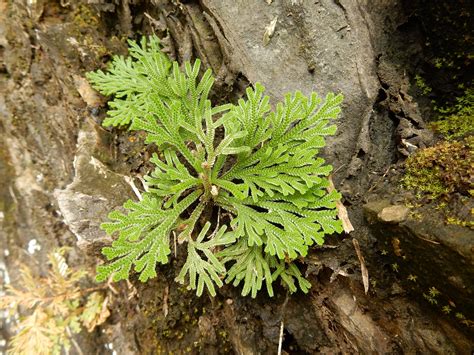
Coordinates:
[61,172]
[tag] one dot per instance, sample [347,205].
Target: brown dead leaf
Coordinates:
[3,6]
[88,94]
[132,290]
[363,268]
[95,311]
[269,30]
[341,210]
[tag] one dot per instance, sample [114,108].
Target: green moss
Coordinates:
[443,169]
[446,309]
[458,120]
[459,222]
[421,84]
[441,63]
[84,17]
[426,181]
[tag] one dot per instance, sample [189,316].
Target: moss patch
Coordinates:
[457,121]
[421,84]
[443,169]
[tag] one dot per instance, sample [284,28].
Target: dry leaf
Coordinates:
[95,311]
[341,211]
[269,30]
[88,94]
[363,268]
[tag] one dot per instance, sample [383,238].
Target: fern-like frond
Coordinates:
[132,79]
[121,79]
[251,114]
[314,122]
[287,141]
[170,178]
[203,272]
[250,265]
[143,237]
[122,111]
[253,267]
[282,228]
[279,171]
[289,273]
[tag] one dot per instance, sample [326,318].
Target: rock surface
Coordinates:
[94,191]
[393,214]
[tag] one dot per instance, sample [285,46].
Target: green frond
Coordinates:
[123,111]
[170,178]
[249,265]
[281,228]
[143,238]
[152,64]
[203,272]
[132,79]
[285,163]
[289,273]
[190,223]
[120,80]
[237,190]
[251,114]
[163,125]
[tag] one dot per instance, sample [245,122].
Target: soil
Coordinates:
[61,172]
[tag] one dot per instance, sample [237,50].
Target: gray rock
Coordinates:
[93,193]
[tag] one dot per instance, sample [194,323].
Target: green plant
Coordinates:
[240,184]
[446,309]
[457,121]
[56,307]
[421,84]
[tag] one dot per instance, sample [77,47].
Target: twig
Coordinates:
[428,240]
[165,300]
[152,20]
[339,168]
[282,312]
[69,294]
[144,184]
[132,289]
[12,193]
[73,341]
[129,181]
[111,288]
[280,341]
[175,245]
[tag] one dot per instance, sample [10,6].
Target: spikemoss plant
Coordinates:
[240,185]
